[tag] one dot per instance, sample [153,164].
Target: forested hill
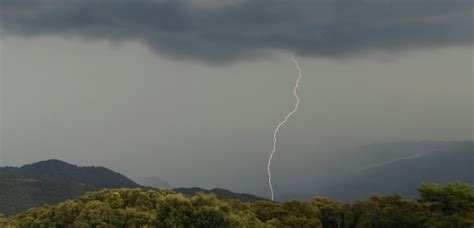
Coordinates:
[51,182]
[56,170]
[54,181]
[19,193]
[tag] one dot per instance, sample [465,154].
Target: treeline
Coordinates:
[451,205]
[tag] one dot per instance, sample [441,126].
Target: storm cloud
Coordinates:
[226,31]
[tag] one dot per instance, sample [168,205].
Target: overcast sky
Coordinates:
[190,91]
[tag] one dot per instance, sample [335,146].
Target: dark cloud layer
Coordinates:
[225,32]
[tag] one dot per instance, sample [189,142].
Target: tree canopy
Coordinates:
[451,205]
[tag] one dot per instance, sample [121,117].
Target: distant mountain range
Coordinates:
[152,182]
[387,168]
[220,193]
[54,181]
[403,174]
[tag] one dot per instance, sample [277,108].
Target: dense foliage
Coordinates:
[438,206]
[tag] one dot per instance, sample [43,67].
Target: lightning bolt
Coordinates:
[275,132]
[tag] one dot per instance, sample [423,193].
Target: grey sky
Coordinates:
[69,91]
[243,29]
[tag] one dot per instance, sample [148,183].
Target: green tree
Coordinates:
[265,211]
[333,214]
[452,205]
[389,212]
[301,214]
[3,221]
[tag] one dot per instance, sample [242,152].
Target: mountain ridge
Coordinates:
[402,175]
[57,170]
[53,181]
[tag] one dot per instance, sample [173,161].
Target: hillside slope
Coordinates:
[56,170]
[54,181]
[403,175]
[18,193]
[51,182]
